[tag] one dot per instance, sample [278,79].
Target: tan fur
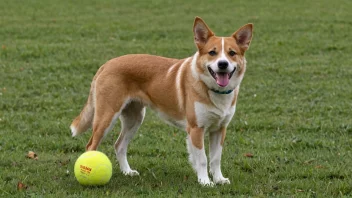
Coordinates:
[197,135]
[223,134]
[152,81]
[85,118]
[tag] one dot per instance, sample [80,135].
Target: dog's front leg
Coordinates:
[216,142]
[197,157]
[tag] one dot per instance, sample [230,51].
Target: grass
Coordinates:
[293,114]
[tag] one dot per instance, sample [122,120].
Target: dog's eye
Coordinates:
[212,53]
[232,53]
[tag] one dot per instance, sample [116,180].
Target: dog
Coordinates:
[197,94]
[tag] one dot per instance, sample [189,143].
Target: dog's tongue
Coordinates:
[222,79]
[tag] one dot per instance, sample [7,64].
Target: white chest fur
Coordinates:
[218,115]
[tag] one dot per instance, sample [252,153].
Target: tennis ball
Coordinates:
[93,168]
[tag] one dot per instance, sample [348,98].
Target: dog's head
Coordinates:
[220,63]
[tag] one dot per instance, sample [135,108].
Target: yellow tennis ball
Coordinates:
[93,168]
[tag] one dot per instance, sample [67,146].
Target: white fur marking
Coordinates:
[198,159]
[202,115]
[171,69]
[213,118]
[222,47]
[73,131]
[215,158]
[178,84]
[223,56]
[194,66]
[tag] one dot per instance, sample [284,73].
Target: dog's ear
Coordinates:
[243,36]
[201,32]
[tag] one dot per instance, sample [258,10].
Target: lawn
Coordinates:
[293,113]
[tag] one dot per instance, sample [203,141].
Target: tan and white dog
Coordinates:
[197,94]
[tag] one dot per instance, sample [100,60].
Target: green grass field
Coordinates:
[293,113]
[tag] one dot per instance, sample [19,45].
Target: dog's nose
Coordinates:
[223,64]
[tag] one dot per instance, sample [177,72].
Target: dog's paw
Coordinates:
[222,180]
[206,182]
[131,173]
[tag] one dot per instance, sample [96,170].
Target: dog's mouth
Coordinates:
[221,78]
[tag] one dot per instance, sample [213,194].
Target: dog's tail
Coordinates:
[85,119]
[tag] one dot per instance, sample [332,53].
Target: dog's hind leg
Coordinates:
[105,117]
[101,126]
[131,119]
